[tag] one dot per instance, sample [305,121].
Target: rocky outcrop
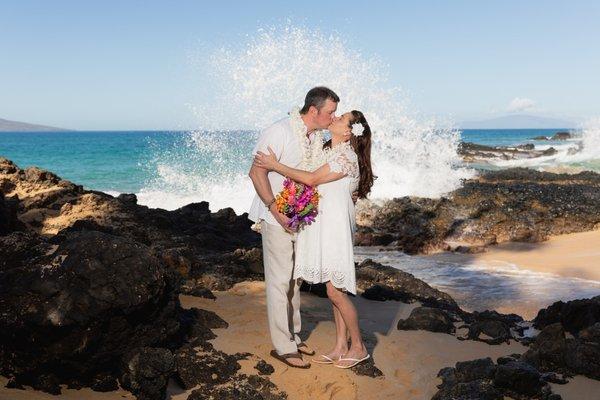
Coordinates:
[512,205]
[212,250]
[381,282]
[482,379]
[478,153]
[573,315]
[146,372]
[553,351]
[89,289]
[76,307]
[429,319]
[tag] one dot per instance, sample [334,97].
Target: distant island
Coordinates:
[16,126]
[518,121]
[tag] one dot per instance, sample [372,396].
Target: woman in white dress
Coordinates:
[324,249]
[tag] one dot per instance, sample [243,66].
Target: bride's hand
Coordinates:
[266,161]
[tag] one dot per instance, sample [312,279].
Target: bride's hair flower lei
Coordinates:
[358,129]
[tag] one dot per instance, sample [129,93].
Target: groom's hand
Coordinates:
[280,218]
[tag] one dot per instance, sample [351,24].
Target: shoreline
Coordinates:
[572,255]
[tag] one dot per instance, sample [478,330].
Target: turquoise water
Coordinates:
[120,161]
[507,137]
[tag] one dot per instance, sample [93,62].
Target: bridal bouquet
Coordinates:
[298,202]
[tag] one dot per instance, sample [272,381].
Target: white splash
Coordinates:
[252,85]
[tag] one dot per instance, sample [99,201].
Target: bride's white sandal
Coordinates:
[356,361]
[325,360]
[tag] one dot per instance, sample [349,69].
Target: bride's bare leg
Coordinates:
[341,334]
[350,318]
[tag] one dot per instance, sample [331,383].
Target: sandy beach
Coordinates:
[574,255]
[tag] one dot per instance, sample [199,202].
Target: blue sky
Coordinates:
[125,64]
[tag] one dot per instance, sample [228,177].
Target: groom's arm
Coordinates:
[270,137]
[263,188]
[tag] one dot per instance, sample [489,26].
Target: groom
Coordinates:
[297,142]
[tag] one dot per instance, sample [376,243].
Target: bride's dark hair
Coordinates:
[362,147]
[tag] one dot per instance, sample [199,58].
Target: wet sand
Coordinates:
[575,255]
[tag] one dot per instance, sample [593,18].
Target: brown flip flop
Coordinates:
[306,351]
[283,358]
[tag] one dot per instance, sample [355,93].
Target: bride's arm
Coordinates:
[321,175]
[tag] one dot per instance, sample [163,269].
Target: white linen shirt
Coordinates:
[288,150]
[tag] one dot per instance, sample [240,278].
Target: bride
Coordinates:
[324,249]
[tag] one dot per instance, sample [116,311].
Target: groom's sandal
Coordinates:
[284,359]
[323,360]
[304,349]
[355,361]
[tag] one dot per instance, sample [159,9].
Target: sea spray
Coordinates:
[253,84]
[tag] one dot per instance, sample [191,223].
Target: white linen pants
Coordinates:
[283,292]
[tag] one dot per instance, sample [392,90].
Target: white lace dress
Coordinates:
[324,249]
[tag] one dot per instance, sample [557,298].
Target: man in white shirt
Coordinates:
[293,141]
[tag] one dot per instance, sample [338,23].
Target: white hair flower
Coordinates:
[358,129]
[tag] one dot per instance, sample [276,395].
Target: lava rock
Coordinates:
[561,136]
[429,319]
[78,309]
[367,368]
[519,377]
[547,352]
[264,368]
[104,382]
[240,387]
[573,315]
[146,372]
[204,365]
[493,208]
[496,326]
[467,371]
[381,282]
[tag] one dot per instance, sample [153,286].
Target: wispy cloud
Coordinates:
[519,104]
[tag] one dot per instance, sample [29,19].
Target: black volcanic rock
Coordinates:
[146,372]
[495,326]
[519,377]
[547,352]
[482,379]
[516,204]
[561,136]
[241,387]
[552,351]
[264,368]
[573,315]
[77,310]
[204,365]
[382,282]
[429,319]
[89,288]
[8,215]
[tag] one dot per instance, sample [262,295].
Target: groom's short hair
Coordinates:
[317,96]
